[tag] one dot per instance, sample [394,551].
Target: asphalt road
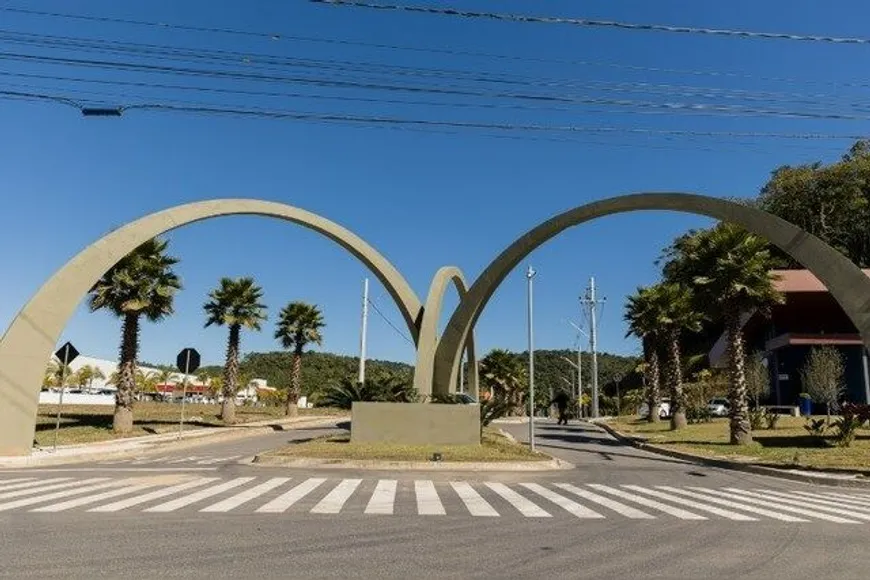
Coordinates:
[637,515]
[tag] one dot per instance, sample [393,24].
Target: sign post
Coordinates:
[66,355]
[187,362]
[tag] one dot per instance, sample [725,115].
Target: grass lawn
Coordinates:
[90,423]
[494,447]
[787,445]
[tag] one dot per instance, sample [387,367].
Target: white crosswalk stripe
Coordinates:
[283,502]
[383,498]
[257,494]
[474,502]
[335,499]
[525,507]
[619,508]
[848,497]
[778,506]
[200,495]
[428,502]
[651,503]
[246,496]
[218,460]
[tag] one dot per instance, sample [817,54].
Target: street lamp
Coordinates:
[579,365]
[530,273]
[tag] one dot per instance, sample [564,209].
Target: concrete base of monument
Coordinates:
[415,424]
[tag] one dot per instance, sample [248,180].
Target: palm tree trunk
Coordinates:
[675,381]
[122,422]
[231,376]
[652,371]
[291,410]
[741,428]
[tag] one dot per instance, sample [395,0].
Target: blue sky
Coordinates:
[424,199]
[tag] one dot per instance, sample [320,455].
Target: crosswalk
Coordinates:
[175,460]
[321,496]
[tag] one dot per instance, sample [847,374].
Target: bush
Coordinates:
[816,427]
[852,416]
[756,418]
[698,414]
[770,419]
[383,389]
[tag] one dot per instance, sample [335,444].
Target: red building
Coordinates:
[809,317]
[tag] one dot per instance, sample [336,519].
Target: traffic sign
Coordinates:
[67,353]
[188,360]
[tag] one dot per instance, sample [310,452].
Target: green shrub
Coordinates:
[816,427]
[757,418]
[770,419]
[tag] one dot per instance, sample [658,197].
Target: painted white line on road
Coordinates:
[858,504]
[185,459]
[122,469]
[428,502]
[737,517]
[4,483]
[200,495]
[525,507]
[851,497]
[474,502]
[563,502]
[335,499]
[283,502]
[619,508]
[235,501]
[25,484]
[733,504]
[383,498]
[777,497]
[158,494]
[214,460]
[59,494]
[651,503]
[778,506]
[43,487]
[88,499]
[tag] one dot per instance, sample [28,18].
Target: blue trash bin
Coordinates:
[806,406]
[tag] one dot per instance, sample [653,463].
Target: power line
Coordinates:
[595,23]
[390,323]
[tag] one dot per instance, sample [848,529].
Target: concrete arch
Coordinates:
[428,340]
[845,281]
[32,337]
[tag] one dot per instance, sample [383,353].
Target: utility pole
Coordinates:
[591,302]
[461,387]
[362,336]
[529,275]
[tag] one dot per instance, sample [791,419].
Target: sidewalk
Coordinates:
[115,448]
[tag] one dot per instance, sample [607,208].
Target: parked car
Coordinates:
[718,407]
[664,409]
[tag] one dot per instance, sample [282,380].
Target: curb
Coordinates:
[118,448]
[376,465]
[640,443]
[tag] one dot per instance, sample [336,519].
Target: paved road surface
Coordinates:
[205,511]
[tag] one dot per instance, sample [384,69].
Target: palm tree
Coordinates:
[729,269]
[504,376]
[141,284]
[299,324]
[236,304]
[642,319]
[674,311]
[56,375]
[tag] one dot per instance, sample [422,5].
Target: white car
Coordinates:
[664,409]
[718,407]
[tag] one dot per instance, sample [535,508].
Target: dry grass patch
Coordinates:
[787,445]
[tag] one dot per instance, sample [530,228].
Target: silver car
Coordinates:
[718,407]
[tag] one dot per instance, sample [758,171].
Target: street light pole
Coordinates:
[530,273]
[579,366]
[362,334]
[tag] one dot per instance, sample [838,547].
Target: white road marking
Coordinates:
[42,487]
[857,504]
[525,506]
[185,459]
[335,499]
[383,498]
[474,502]
[281,503]
[235,501]
[563,502]
[676,512]
[738,517]
[619,508]
[5,482]
[214,460]
[88,499]
[157,494]
[787,500]
[25,484]
[847,496]
[428,502]
[734,504]
[58,494]
[200,495]
[779,507]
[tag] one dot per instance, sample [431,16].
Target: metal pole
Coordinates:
[866,375]
[60,400]
[593,339]
[580,375]
[531,274]
[461,387]
[362,335]
[184,391]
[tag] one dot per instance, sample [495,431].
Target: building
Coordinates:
[809,317]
